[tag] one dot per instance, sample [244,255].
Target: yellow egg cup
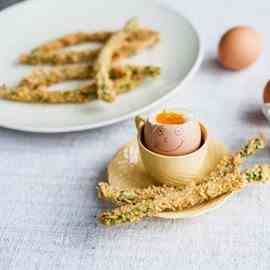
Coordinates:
[127,169]
[175,170]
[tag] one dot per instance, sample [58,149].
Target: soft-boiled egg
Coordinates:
[172,132]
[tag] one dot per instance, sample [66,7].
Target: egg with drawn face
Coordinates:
[172,139]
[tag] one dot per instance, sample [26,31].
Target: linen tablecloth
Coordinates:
[48,205]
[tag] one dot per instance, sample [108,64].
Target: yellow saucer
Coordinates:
[127,171]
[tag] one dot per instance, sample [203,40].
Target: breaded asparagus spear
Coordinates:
[144,39]
[226,166]
[72,39]
[130,196]
[103,63]
[50,76]
[31,91]
[83,37]
[40,95]
[250,149]
[47,77]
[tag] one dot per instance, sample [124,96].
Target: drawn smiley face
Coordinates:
[167,140]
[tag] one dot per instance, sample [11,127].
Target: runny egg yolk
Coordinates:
[170,118]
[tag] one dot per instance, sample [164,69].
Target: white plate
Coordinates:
[30,23]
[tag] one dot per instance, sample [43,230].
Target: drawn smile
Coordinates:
[165,149]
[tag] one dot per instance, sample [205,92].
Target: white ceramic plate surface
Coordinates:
[33,22]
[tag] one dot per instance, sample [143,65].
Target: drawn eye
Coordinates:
[160,131]
[178,131]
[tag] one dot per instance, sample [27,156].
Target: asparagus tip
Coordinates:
[263,137]
[101,190]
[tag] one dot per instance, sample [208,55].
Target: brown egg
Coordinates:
[239,47]
[266,93]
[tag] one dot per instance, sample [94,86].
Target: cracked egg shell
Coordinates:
[266,93]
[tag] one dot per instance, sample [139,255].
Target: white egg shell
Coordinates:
[266,110]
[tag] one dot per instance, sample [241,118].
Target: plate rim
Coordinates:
[172,89]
